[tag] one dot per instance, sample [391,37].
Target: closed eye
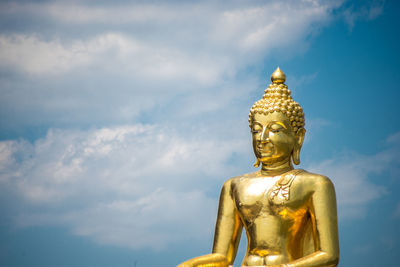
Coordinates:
[276,128]
[256,128]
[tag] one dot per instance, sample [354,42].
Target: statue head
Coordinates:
[277,124]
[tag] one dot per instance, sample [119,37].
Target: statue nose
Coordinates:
[265,136]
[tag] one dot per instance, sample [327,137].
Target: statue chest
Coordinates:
[280,198]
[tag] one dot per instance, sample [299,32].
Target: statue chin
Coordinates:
[289,215]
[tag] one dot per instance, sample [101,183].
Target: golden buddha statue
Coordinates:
[289,215]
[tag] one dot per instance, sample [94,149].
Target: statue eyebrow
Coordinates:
[280,123]
[274,122]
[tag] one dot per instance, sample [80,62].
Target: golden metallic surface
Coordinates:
[289,215]
[278,76]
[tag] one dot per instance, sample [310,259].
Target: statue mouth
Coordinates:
[265,149]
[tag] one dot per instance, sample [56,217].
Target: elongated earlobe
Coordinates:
[257,163]
[297,147]
[296,156]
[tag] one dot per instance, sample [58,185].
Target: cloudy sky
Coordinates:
[120,121]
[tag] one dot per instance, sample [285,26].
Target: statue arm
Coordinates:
[324,215]
[217,260]
[229,226]
[227,234]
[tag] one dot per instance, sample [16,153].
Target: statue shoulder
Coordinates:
[237,179]
[314,180]
[243,176]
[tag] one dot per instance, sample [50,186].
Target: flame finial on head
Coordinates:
[278,76]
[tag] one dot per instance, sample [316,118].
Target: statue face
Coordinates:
[273,137]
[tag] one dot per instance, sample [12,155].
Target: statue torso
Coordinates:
[275,213]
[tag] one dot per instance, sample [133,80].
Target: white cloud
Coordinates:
[79,12]
[135,186]
[353,175]
[35,56]
[97,64]
[261,28]
[202,40]
[369,11]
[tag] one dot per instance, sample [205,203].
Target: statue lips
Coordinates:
[265,149]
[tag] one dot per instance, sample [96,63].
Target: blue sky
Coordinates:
[120,121]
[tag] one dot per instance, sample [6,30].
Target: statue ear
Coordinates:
[297,146]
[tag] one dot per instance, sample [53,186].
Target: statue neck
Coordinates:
[276,168]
